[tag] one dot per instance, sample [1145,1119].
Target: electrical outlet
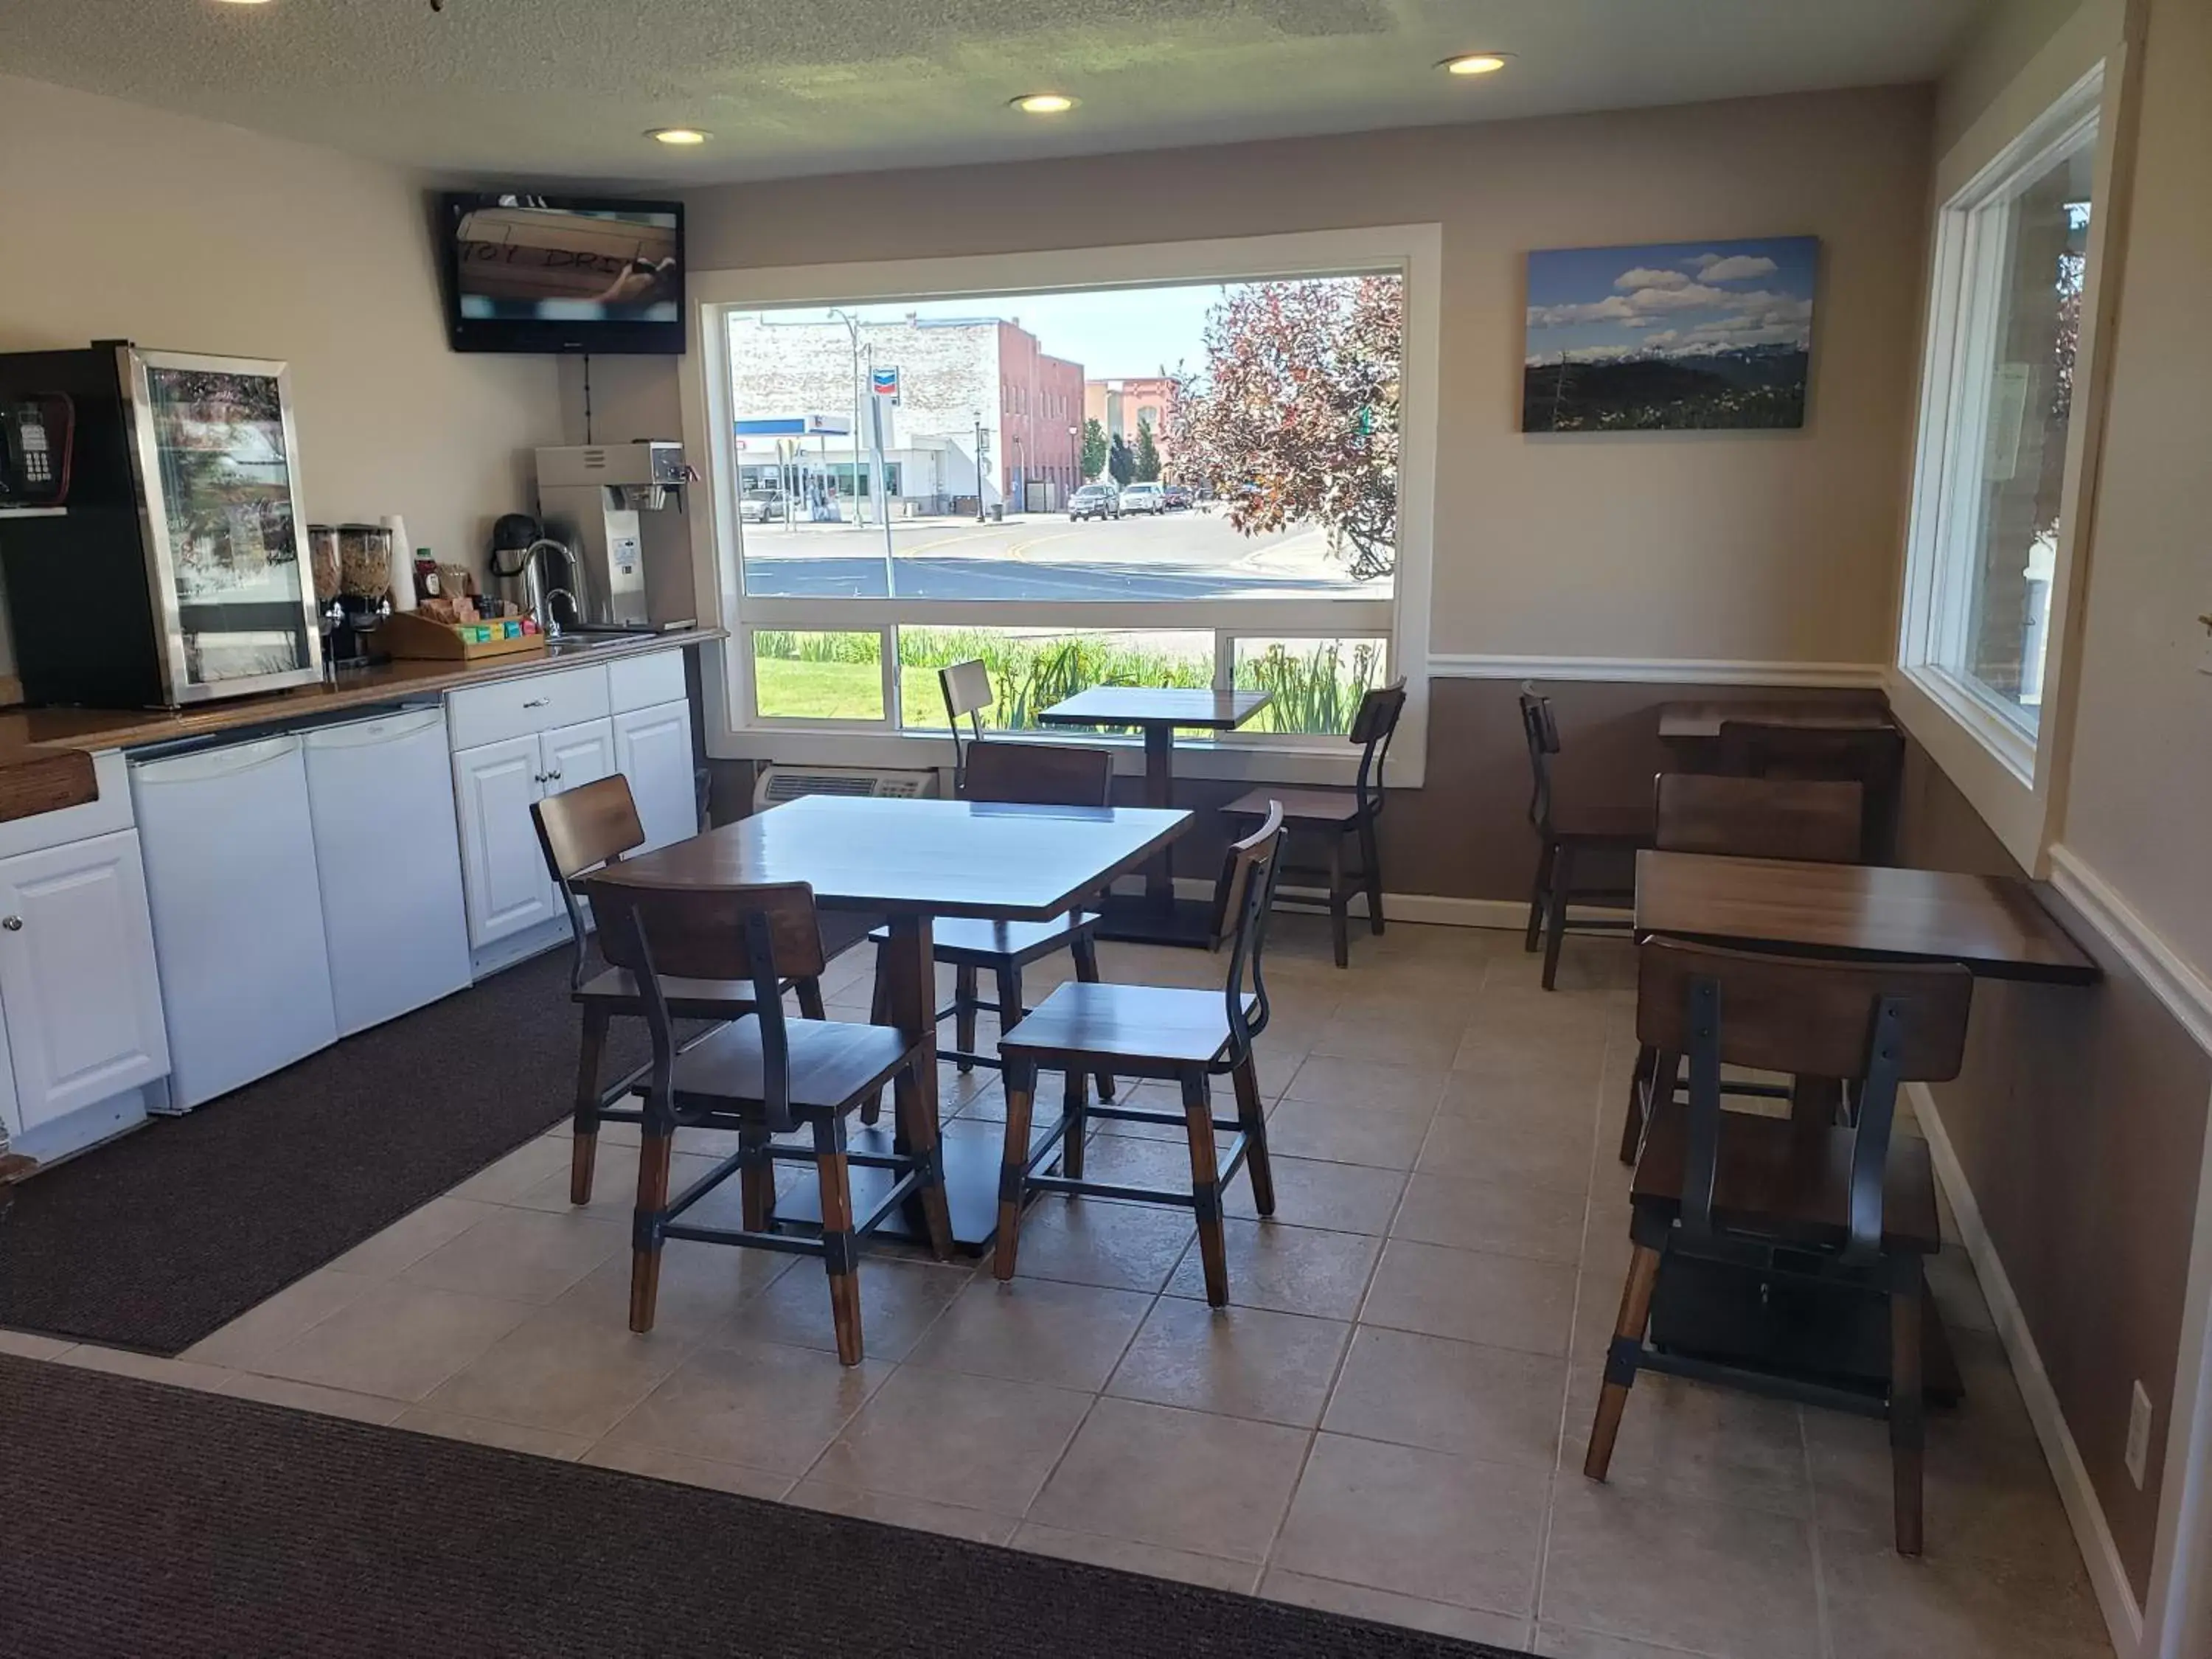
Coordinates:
[2138,1434]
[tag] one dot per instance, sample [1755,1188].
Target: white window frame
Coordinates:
[2006,767]
[732,733]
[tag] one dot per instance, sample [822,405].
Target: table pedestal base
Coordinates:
[1830,1334]
[971,1188]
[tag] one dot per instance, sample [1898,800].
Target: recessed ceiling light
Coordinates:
[246,3]
[1044,103]
[679,135]
[1474,63]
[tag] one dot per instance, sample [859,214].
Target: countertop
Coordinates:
[32,735]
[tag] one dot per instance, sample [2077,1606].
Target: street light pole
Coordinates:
[981,515]
[853,330]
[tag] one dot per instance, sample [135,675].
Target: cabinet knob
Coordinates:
[539,702]
[555,776]
[13,924]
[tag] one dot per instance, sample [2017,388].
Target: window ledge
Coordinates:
[1987,759]
[1246,762]
[2007,743]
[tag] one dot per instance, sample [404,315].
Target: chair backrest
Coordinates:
[1541,730]
[1372,729]
[1877,1024]
[579,829]
[1871,757]
[1254,868]
[1817,822]
[764,932]
[968,693]
[1039,774]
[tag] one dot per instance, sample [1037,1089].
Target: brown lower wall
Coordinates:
[2079,1121]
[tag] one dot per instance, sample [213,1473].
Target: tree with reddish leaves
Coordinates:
[1295,419]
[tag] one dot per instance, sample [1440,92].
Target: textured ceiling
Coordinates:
[565,88]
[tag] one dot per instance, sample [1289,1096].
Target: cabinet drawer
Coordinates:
[103,817]
[536,702]
[641,682]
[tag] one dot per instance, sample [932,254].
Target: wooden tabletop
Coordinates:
[1991,924]
[1156,705]
[1679,721]
[942,858]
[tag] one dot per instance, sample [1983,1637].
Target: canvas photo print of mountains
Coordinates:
[1669,335]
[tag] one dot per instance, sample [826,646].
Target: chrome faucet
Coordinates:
[541,596]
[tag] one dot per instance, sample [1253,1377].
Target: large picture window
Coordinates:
[1995,491]
[1197,479]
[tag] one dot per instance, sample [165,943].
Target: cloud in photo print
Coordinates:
[1677,334]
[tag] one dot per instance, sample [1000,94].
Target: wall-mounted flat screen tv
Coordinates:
[562,273]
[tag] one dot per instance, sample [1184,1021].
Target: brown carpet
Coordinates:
[168,1234]
[160,1521]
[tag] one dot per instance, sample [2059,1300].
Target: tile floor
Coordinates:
[1389,1421]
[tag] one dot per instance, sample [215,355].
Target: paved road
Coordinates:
[1179,555]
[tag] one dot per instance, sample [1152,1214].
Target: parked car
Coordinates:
[1145,498]
[761,507]
[1181,496]
[1094,501]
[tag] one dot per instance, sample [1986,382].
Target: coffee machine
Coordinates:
[589,497]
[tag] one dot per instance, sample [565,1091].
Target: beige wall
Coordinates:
[2139,798]
[1746,545]
[119,222]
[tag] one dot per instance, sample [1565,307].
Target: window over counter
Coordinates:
[1201,464]
[2000,460]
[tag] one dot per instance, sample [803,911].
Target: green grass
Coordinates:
[790,689]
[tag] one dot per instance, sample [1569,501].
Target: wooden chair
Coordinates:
[1334,814]
[1568,833]
[761,1076]
[1854,1205]
[1184,1036]
[1025,773]
[966,687]
[1872,758]
[1811,821]
[580,830]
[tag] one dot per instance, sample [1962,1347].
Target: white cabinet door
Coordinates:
[77,978]
[577,755]
[652,750]
[502,868]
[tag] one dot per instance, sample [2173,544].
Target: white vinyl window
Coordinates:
[1996,475]
[894,453]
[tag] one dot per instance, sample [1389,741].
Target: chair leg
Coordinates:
[840,1251]
[1907,1453]
[1085,949]
[1205,1186]
[1252,1116]
[1620,1359]
[757,1180]
[879,1013]
[1539,897]
[1075,1115]
[1013,1160]
[1339,904]
[918,1129]
[964,1004]
[1370,873]
[1644,1077]
[809,991]
[583,1153]
[653,1149]
[1555,913]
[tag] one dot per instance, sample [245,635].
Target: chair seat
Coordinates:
[974,940]
[1149,1022]
[832,1066]
[1791,1183]
[1337,807]
[687,999]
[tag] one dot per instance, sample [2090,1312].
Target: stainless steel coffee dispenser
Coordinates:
[589,497]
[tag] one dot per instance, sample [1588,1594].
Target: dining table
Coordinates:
[1991,924]
[1699,720]
[1156,916]
[910,862]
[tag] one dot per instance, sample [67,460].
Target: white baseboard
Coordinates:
[2123,1618]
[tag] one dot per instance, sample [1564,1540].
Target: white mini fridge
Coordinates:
[238,920]
[380,793]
